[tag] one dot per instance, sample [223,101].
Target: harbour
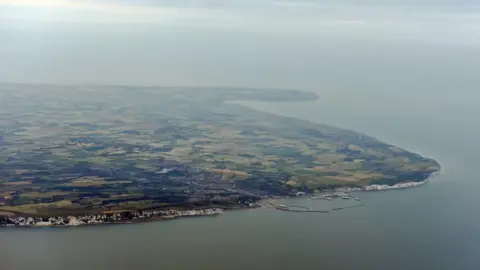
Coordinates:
[328,197]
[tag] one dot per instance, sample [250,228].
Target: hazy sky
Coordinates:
[300,44]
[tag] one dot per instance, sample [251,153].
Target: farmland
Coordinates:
[99,149]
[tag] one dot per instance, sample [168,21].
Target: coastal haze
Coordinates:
[403,72]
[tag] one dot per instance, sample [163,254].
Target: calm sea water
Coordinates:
[435,226]
[407,74]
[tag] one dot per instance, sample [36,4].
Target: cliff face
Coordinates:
[137,216]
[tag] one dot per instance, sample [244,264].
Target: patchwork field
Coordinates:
[84,149]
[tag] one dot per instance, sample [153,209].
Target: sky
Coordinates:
[434,19]
[302,43]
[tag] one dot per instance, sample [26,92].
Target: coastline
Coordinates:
[400,185]
[170,214]
[269,202]
[105,219]
[275,180]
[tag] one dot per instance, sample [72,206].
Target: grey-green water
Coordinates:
[435,226]
[403,71]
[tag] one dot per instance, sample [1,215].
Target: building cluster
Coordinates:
[18,221]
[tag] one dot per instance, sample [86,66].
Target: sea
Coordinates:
[435,226]
[405,74]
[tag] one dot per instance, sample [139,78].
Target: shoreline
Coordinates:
[170,214]
[106,219]
[401,185]
[270,202]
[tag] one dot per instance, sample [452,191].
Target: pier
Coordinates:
[332,195]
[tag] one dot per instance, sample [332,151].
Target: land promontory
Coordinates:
[77,150]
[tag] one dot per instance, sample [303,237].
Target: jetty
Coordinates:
[332,195]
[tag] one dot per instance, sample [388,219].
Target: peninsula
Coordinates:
[111,153]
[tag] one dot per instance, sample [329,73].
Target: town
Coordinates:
[126,217]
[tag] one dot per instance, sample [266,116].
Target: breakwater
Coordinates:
[304,209]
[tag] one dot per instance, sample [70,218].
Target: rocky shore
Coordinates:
[399,185]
